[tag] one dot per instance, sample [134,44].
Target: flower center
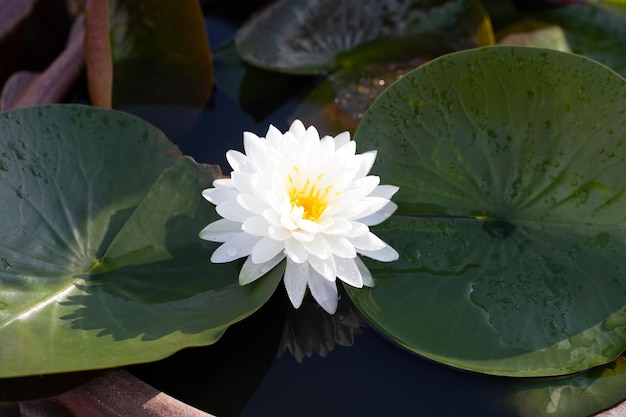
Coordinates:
[309,196]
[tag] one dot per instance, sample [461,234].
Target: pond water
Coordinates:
[362,373]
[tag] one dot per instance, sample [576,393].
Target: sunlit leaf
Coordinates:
[100,262]
[582,394]
[595,30]
[313,36]
[511,164]
[534,33]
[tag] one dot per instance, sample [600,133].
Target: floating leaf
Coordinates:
[510,162]
[313,36]
[101,264]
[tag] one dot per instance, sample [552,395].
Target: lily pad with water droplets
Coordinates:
[511,225]
[102,265]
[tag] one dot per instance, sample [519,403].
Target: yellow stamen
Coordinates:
[309,196]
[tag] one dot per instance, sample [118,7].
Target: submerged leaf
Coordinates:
[512,159]
[581,394]
[313,36]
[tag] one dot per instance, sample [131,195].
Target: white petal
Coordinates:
[367,160]
[368,241]
[296,279]
[232,210]
[361,188]
[341,246]
[327,146]
[357,229]
[364,208]
[219,195]
[273,134]
[295,251]
[318,247]
[325,267]
[256,149]
[302,236]
[341,139]
[220,230]
[236,159]
[223,183]
[251,271]
[385,191]
[386,254]
[256,225]
[239,246]
[348,272]
[278,232]
[297,128]
[380,216]
[324,292]
[368,280]
[311,137]
[241,181]
[337,226]
[347,150]
[266,249]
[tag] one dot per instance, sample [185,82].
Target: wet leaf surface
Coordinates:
[101,264]
[513,265]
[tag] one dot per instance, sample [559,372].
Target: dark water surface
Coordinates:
[242,374]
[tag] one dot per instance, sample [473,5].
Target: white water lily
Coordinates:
[306,199]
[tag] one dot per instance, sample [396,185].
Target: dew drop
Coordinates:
[33,170]
[6,264]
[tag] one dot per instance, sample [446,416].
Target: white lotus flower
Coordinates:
[311,201]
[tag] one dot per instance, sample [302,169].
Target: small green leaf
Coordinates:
[512,159]
[101,261]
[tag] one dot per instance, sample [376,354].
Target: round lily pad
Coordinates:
[511,225]
[100,260]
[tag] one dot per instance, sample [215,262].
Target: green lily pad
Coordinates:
[101,264]
[511,225]
[309,37]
